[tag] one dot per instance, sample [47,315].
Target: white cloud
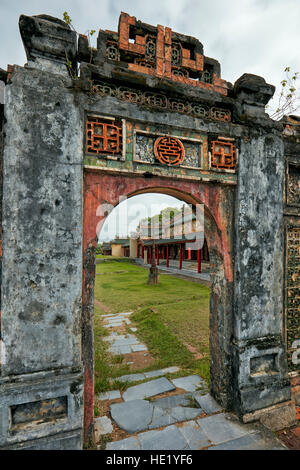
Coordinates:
[254,36]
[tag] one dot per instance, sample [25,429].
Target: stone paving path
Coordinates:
[218,432]
[185,418]
[186,270]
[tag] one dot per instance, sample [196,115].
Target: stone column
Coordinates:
[262,387]
[133,248]
[41,384]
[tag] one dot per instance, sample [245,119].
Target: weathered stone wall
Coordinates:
[42,262]
[260,366]
[291,291]
[2,87]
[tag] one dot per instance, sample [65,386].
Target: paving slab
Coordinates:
[115,318]
[255,441]
[221,428]
[194,435]
[138,347]
[132,416]
[130,378]
[113,394]
[207,403]
[114,322]
[102,425]
[113,337]
[120,350]
[148,389]
[130,336]
[157,373]
[112,325]
[172,401]
[131,443]
[189,383]
[169,438]
[125,342]
[154,373]
[160,418]
[181,413]
[171,370]
[110,395]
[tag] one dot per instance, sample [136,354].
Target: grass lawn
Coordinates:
[168,316]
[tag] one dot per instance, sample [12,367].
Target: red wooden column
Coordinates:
[199,260]
[180,257]
[189,253]
[167,256]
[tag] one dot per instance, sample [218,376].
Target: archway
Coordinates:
[101,193]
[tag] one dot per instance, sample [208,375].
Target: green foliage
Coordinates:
[288,100]
[96,411]
[89,33]
[168,316]
[162,343]
[67,18]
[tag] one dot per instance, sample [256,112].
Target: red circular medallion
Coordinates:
[169,150]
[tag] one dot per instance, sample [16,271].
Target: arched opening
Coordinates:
[102,193]
[174,225]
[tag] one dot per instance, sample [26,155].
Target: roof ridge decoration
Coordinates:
[156,51]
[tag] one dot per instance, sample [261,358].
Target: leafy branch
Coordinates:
[89,34]
[288,99]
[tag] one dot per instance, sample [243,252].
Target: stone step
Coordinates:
[148,389]
[115,314]
[110,395]
[190,383]
[207,403]
[147,375]
[141,415]
[219,432]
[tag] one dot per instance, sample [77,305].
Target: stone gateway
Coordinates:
[145,111]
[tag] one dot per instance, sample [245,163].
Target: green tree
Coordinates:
[287,100]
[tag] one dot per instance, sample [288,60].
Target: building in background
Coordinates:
[173,230]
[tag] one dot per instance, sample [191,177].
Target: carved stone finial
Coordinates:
[253,93]
[49,43]
[253,89]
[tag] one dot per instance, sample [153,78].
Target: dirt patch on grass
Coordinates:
[103,307]
[140,359]
[197,355]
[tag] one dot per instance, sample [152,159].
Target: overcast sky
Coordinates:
[253,36]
